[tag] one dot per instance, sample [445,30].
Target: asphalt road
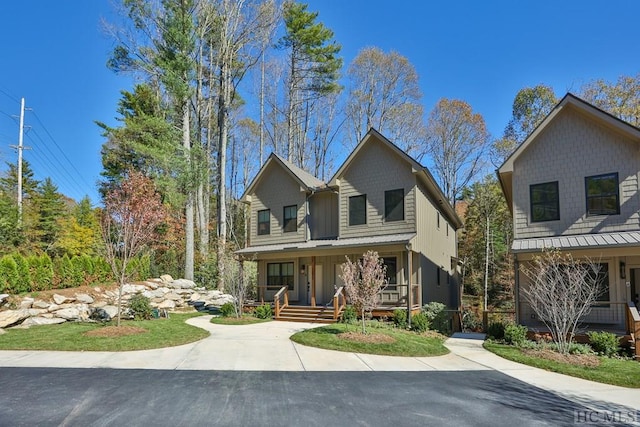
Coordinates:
[110,397]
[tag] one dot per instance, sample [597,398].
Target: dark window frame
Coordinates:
[265,231]
[287,222]
[545,204]
[279,279]
[601,196]
[352,217]
[395,212]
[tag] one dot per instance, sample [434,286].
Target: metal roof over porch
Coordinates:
[580,241]
[389,239]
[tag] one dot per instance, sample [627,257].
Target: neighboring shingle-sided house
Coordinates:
[573,185]
[381,199]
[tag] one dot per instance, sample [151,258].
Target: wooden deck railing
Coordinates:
[283,292]
[633,327]
[262,290]
[339,302]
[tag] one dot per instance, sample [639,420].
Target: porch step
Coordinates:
[319,314]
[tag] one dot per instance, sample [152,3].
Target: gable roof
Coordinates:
[570,101]
[307,181]
[416,168]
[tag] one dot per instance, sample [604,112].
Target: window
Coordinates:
[264,222]
[545,203]
[394,205]
[438,219]
[280,274]
[290,218]
[438,276]
[392,271]
[358,210]
[602,194]
[603,284]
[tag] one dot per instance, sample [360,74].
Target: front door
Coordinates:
[319,285]
[635,285]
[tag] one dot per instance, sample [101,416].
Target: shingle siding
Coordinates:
[569,149]
[375,170]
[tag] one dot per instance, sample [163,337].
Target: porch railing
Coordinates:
[633,327]
[339,302]
[283,293]
[262,290]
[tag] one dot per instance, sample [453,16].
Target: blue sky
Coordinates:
[54,55]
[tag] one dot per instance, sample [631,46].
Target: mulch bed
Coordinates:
[586,360]
[115,331]
[371,338]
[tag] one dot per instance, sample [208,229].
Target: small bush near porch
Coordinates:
[381,339]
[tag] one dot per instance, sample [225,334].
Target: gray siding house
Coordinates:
[573,185]
[301,229]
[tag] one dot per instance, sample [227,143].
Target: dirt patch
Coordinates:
[371,338]
[586,360]
[115,331]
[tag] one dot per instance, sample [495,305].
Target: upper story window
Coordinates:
[358,210]
[602,194]
[394,205]
[264,222]
[290,222]
[545,202]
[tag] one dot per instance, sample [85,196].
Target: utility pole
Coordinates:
[20,148]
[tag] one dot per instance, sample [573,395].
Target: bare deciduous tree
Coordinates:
[132,213]
[562,290]
[239,282]
[364,280]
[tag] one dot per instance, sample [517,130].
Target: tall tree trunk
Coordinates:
[189,210]
[223,122]
[261,109]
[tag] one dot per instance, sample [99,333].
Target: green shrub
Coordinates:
[228,309]
[87,265]
[23,284]
[263,311]
[515,334]
[65,272]
[470,320]
[604,343]
[349,314]
[8,274]
[576,348]
[77,272]
[102,270]
[496,331]
[141,307]
[419,322]
[400,318]
[437,316]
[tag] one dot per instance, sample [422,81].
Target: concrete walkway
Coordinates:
[266,347]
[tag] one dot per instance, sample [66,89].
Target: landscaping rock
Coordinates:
[182,284]
[166,278]
[61,299]
[167,304]
[132,289]
[26,303]
[53,307]
[84,298]
[12,317]
[41,304]
[68,314]
[195,296]
[35,321]
[173,296]
[3,298]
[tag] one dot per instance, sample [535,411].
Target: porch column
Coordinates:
[409,287]
[313,281]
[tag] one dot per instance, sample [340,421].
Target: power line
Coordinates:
[8,95]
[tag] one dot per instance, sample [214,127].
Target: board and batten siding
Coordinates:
[277,189]
[569,149]
[373,171]
[323,215]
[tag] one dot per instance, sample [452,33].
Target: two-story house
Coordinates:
[572,185]
[381,199]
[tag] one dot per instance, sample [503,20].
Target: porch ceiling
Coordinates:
[580,241]
[315,245]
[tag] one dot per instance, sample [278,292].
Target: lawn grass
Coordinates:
[244,320]
[405,343]
[71,336]
[624,373]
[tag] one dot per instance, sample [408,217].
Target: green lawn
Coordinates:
[244,320]
[624,373]
[405,343]
[71,336]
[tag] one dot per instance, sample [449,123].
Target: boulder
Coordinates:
[12,317]
[154,294]
[61,299]
[35,311]
[53,307]
[34,321]
[195,297]
[132,289]
[173,296]
[183,284]
[26,302]
[3,298]
[68,314]
[167,304]
[41,304]
[166,278]
[84,298]
[151,284]
[99,304]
